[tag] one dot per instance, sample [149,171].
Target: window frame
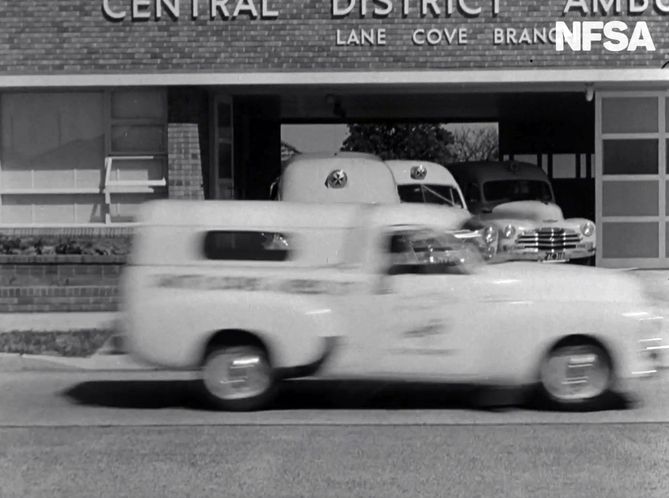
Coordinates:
[100,191]
[661,219]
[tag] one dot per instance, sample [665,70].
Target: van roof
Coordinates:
[496,170]
[367,179]
[436,173]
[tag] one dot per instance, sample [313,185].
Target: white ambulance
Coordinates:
[342,177]
[426,182]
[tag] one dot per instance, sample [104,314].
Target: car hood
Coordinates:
[512,281]
[527,210]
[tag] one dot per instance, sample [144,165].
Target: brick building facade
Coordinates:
[82,36]
[107,103]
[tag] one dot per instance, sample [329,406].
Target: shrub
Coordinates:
[33,245]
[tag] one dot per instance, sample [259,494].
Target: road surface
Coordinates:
[143,434]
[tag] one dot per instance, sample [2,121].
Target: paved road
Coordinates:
[337,461]
[137,434]
[166,398]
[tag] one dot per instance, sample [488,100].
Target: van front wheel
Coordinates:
[238,378]
[577,376]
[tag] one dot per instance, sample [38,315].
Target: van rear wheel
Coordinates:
[238,378]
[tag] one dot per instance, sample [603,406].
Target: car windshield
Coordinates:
[517,190]
[430,194]
[431,248]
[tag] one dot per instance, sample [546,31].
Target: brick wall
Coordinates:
[73,36]
[62,282]
[40,286]
[188,142]
[184,162]
[69,232]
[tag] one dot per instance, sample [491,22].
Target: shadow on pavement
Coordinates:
[137,394]
[330,394]
[311,394]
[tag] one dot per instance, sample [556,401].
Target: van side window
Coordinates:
[246,246]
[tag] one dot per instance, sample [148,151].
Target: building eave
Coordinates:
[486,77]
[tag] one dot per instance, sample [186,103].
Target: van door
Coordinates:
[428,322]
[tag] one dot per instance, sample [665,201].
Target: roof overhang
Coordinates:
[483,79]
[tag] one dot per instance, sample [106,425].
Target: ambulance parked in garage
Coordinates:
[342,177]
[353,177]
[425,181]
[431,183]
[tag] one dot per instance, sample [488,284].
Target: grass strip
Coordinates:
[71,343]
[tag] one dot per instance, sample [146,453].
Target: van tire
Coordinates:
[237,378]
[596,377]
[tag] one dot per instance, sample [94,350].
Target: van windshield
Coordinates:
[430,194]
[517,190]
[425,248]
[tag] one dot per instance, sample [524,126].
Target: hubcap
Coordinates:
[576,373]
[237,373]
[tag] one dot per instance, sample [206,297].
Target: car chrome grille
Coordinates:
[549,239]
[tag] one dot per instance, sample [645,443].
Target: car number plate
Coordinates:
[554,257]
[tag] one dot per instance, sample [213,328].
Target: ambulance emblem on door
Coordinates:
[418,172]
[336,179]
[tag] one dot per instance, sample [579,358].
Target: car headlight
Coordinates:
[588,228]
[489,234]
[509,231]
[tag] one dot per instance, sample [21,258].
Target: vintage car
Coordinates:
[518,198]
[238,290]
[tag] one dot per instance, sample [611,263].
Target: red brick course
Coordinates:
[90,298]
[36,287]
[27,275]
[185,165]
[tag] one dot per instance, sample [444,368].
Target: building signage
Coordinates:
[587,28]
[144,10]
[615,36]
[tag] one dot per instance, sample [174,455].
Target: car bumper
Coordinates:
[646,366]
[657,353]
[632,387]
[515,252]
